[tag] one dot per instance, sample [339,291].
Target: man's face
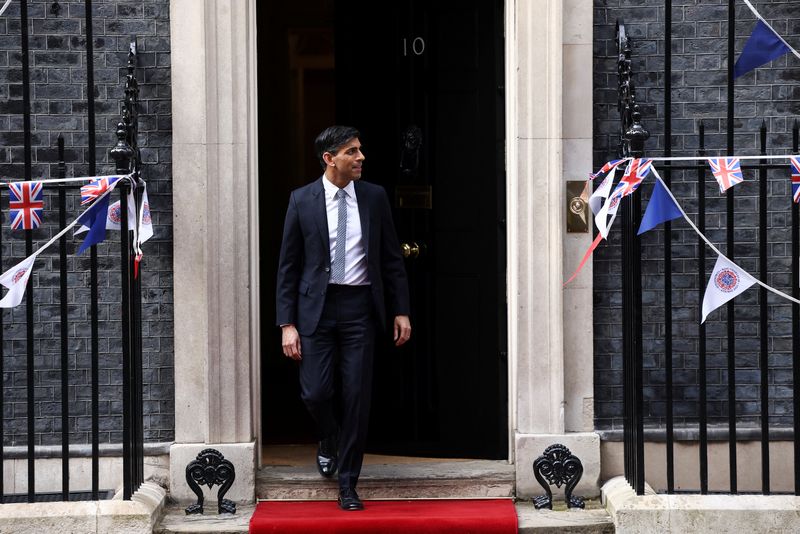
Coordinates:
[347,162]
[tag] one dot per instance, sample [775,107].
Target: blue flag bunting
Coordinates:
[95,219]
[661,208]
[763,46]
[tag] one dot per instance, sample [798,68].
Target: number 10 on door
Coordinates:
[415,47]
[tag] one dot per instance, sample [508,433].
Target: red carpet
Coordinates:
[448,516]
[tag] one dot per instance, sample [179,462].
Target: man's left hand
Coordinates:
[402,329]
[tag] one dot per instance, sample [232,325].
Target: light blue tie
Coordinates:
[337,267]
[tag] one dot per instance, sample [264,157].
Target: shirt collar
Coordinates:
[330,189]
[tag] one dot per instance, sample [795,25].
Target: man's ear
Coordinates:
[327,157]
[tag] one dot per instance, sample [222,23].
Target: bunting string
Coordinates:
[707,157]
[128,177]
[64,230]
[762,19]
[16,278]
[585,258]
[728,278]
[66,180]
[713,247]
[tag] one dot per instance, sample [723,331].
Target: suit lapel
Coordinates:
[363,214]
[320,215]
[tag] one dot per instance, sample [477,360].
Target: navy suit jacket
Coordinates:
[305,262]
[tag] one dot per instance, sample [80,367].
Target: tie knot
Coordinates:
[341,193]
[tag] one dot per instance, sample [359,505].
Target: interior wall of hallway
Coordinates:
[549,59]
[216,312]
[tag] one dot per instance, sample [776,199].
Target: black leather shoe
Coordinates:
[349,501]
[327,462]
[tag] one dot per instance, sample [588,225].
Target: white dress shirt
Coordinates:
[355,258]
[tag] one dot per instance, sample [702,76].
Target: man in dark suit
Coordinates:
[340,273]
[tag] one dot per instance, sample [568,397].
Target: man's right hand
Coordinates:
[290,340]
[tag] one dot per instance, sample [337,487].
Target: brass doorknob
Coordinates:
[410,250]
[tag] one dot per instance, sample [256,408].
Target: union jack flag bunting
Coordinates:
[637,170]
[795,162]
[96,188]
[605,169]
[25,203]
[727,171]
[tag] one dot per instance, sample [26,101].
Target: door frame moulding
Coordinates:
[510,58]
[200,32]
[253,222]
[548,54]
[217,338]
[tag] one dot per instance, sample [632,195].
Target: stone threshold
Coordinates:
[453,479]
[654,512]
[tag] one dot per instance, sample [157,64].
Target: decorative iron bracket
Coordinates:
[209,468]
[557,465]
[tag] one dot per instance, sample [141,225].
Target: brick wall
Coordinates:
[772,94]
[59,107]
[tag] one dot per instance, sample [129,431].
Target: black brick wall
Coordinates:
[59,106]
[771,94]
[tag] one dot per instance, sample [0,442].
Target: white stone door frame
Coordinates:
[216,259]
[215,225]
[548,141]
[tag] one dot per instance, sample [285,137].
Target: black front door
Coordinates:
[422,80]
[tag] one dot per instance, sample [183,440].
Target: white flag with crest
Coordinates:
[605,218]
[16,279]
[114,218]
[727,281]
[602,192]
[145,219]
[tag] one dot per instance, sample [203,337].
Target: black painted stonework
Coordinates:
[699,92]
[58,96]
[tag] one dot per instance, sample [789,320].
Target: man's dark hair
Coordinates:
[331,140]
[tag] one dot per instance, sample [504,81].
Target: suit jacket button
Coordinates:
[327,269]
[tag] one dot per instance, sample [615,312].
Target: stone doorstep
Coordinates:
[715,514]
[137,516]
[175,521]
[470,479]
[593,520]
[463,479]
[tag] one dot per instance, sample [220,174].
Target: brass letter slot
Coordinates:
[413,196]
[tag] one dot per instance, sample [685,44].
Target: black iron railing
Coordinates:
[128,160]
[632,138]
[126,156]
[636,423]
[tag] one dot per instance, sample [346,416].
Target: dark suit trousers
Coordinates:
[343,343]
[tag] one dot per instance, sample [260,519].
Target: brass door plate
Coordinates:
[577,207]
